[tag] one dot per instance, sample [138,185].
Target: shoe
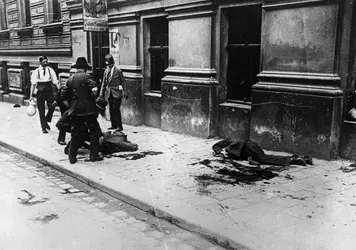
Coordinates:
[307,159]
[62,143]
[112,128]
[297,160]
[66,150]
[72,160]
[252,162]
[96,158]
[44,131]
[48,127]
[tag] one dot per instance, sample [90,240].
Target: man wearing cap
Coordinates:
[81,91]
[113,89]
[42,79]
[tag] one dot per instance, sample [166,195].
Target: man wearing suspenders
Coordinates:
[41,86]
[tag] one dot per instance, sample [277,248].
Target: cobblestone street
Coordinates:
[45,209]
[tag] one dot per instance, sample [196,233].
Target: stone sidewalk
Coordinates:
[176,177]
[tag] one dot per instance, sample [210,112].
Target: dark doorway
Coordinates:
[100,49]
[243,51]
[158,51]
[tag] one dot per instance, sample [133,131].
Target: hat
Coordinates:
[101,103]
[81,63]
[41,58]
[109,58]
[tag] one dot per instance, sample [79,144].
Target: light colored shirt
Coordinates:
[38,75]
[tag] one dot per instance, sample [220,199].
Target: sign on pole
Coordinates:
[95,15]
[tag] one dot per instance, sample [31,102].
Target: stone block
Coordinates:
[132,108]
[152,107]
[189,109]
[14,98]
[348,141]
[234,121]
[2,95]
[296,123]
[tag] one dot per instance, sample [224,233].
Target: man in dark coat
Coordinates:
[113,89]
[81,92]
[63,108]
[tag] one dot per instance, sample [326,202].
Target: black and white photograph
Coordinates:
[178,124]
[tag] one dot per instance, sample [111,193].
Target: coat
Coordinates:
[116,142]
[111,84]
[78,92]
[242,150]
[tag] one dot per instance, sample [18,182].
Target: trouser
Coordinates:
[79,127]
[115,113]
[252,149]
[62,132]
[44,94]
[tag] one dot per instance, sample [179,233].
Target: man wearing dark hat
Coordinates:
[113,89]
[42,79]
[81,91]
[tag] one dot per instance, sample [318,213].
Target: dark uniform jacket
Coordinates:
[78,92]
[111,83]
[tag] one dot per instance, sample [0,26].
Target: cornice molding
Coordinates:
[24,31]
[291,4]
[115,3]
[62,51]
[191,10]
[76,23]
[299,76]
[74,5]
[4,33]
[298,89]
[131,71]
[53,28]
[191,76]
[124,19]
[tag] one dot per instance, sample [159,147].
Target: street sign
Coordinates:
[95,15]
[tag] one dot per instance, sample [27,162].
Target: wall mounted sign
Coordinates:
[95,15]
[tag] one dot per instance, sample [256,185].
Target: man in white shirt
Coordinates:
[41,86]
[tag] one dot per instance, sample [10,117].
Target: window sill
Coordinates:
[53,28]
[153,94]
[25,31]
[4,33]
[236,105]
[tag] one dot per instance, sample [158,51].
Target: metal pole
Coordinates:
[100,56]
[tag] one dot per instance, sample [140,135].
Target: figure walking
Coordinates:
[42,79]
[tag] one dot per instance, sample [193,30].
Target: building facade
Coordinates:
[278,72]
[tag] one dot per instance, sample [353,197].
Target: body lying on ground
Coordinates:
[109,142]
[251,151]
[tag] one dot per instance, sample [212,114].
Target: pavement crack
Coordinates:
[29,201]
